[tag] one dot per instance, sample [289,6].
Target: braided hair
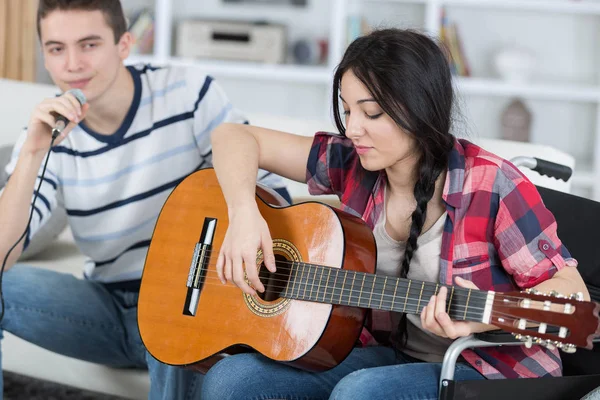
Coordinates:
[408,75]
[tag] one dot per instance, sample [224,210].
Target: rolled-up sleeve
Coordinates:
[525,234]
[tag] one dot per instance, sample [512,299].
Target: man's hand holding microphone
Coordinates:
[54,117]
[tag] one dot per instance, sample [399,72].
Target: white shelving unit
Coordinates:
[318,78]
[494,87]
[560,6]
[164,26]
[587,172]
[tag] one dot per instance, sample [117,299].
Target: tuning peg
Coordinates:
[532,291]
[527,341]
[576,296]
[569,348]
[537,340]
[548,343]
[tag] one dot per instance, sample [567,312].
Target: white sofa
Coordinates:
[19,356]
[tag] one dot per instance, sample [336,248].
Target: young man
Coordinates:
[141,132]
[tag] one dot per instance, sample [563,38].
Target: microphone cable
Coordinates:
[54,136]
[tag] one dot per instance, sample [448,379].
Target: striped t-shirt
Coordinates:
[113,187]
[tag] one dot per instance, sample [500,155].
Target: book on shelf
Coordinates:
[142,30]
[453,46]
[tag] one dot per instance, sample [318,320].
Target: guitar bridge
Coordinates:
[199,265]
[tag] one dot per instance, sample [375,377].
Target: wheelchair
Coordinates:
[577,219]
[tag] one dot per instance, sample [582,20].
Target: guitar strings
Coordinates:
[309,265]
[457,312]
[410,302]
[403,282]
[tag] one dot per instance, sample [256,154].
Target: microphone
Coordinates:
[62,121]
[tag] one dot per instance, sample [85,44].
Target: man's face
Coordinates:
[80,51]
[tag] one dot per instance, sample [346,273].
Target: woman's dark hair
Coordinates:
[112,10]
[408,75]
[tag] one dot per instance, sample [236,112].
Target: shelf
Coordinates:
[323,75]
[242,69]
[559,6]
[560,92]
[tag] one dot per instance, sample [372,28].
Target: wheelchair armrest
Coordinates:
[483,339]
[453,352]
[496,336]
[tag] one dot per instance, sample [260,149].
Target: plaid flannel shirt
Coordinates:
[498,232]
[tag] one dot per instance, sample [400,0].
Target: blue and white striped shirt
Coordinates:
[113,187]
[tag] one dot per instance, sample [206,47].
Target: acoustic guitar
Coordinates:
[313,309]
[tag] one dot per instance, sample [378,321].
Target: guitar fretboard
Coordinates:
[350,288]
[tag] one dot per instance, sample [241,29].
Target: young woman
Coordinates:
[441,210]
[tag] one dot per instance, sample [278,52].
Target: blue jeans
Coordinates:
[85,320]
[367,373]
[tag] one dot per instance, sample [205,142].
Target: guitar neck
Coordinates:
[350,288]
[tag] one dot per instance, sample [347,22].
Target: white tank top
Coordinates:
[424,266]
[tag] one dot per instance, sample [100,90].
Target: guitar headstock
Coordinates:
[553,320]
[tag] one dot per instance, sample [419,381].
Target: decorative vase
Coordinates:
[515,64]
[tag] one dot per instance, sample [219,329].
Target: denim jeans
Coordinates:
[85,320]
[367,373]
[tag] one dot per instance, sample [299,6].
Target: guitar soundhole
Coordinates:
[276,282]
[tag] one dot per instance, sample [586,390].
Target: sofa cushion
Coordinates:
[5,153]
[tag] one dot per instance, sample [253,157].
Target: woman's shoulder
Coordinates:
[486,168]
[332,138]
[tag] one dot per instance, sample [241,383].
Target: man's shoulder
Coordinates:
[171,74]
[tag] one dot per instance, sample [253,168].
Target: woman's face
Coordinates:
[378,140]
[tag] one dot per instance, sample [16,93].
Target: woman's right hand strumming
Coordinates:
[39,129]
[238,151]
[247,233]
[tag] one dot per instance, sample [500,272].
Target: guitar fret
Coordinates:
[420,295]
[343,285]
[467,305]
[336,273]
[406,298]
[297,281]
[326,284]
[383,292]
[361,289]
[372,289]
[306,283]
[450,300]
[315,285]
[293,278]
[312,283]
[319,283]
[394,296]
[351,288]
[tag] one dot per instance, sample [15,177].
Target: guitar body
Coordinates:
[310,335]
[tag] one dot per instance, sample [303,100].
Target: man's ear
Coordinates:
[125,44]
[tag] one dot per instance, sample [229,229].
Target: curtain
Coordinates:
[18,39]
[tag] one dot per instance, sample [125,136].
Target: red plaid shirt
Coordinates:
[498,233]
